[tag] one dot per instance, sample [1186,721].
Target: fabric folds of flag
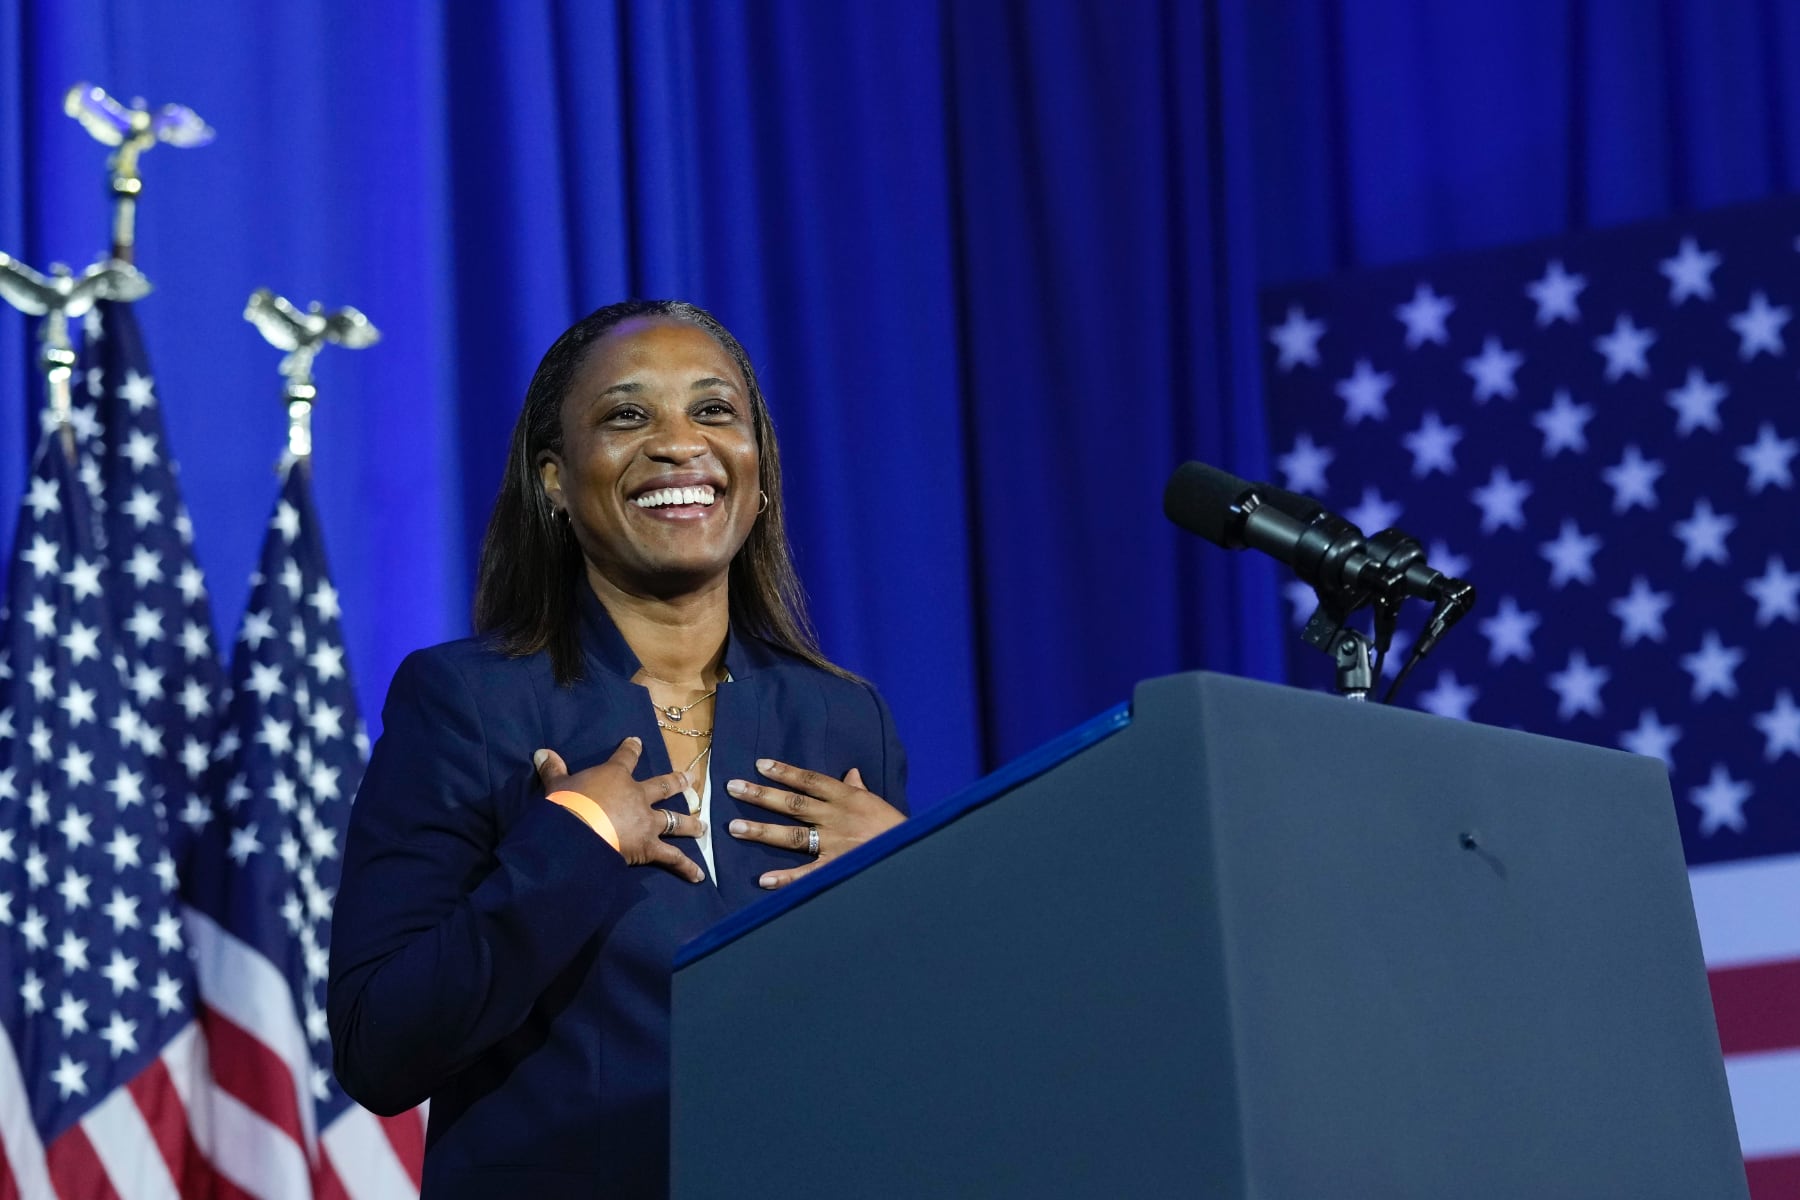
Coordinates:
[102,1074]
[1600,432]
[264,876]
[174,672]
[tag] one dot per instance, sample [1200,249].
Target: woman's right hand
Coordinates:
[627,804]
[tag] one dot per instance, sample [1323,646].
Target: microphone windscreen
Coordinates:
[1199,498]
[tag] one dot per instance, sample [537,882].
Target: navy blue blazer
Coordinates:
[490,952]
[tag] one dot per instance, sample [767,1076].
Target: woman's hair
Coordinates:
[526,598]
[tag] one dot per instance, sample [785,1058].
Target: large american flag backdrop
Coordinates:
[167,854]
[1601,433]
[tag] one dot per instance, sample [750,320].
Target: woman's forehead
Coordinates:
[641,345]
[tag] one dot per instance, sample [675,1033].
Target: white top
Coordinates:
[700,804]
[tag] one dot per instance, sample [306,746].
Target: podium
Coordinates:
[1238,940]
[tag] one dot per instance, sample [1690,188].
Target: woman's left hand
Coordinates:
[843,812]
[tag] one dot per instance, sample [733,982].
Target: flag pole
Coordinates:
[303,334]
[57,297]
[132,130]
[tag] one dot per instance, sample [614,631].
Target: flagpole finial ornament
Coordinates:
[303,335]
[133,130]
[57,297]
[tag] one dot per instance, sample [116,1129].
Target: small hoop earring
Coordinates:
[764,505]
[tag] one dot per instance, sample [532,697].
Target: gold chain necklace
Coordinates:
[675,712]
[669,716]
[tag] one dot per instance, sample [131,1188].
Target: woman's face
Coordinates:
[658,469]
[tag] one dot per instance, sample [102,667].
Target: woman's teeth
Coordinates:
[664,497]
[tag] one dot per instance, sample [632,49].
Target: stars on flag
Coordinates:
[1607,430]
[1703,535]
[1577,686]
[1759,328]
[1297,339]
[1501,501]
[290,757]
[1571,555]
[1509,632]
[1563,424]
[1696,403]
[1373,512]
[1433,445]
[1633,480]
[1493,370]
[1652,738]
[1303,467]
[1689,272]
[1713,667]
[165,622]
[1365,393]
[1769,460]
[1425,317]
[82,866]
[1780,726]
[1449,697]
[1776,592]
[1720,801]
[1626,349]
[1555,294]
[1640,612]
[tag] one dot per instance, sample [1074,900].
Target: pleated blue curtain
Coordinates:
[1104,217]
[996,259]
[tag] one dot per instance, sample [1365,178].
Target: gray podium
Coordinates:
[1238,941]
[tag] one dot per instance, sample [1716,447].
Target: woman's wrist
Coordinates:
[591,814]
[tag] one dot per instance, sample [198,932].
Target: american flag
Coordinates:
[159,593]
[263,879]
[1601,433]
[102,1073]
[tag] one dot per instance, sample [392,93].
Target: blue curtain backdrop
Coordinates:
[997,263]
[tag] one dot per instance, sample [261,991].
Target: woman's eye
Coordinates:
[625,413]
[716,408]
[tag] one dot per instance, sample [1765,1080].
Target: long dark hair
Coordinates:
[525,597]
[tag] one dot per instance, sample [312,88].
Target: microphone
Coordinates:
[1400,554]
[1325,551]
[1323,548]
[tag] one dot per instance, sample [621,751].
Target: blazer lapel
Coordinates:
[737,734]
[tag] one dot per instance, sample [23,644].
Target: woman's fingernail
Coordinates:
[737,787]
[763,764]
[767,881]
[738,828]
[537,760]
[681,780]
[702,832]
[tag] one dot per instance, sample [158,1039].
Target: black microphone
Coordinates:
[1325,551]
[1233,513]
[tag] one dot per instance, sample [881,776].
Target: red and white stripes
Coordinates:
[1749,914]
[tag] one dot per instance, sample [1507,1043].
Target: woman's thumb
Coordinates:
[549,766]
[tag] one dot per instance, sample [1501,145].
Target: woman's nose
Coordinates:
[675,441]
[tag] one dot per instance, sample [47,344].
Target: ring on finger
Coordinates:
[812,840]
[669,820]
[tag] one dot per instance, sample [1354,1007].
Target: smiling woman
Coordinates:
[658,470]
[503,938]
